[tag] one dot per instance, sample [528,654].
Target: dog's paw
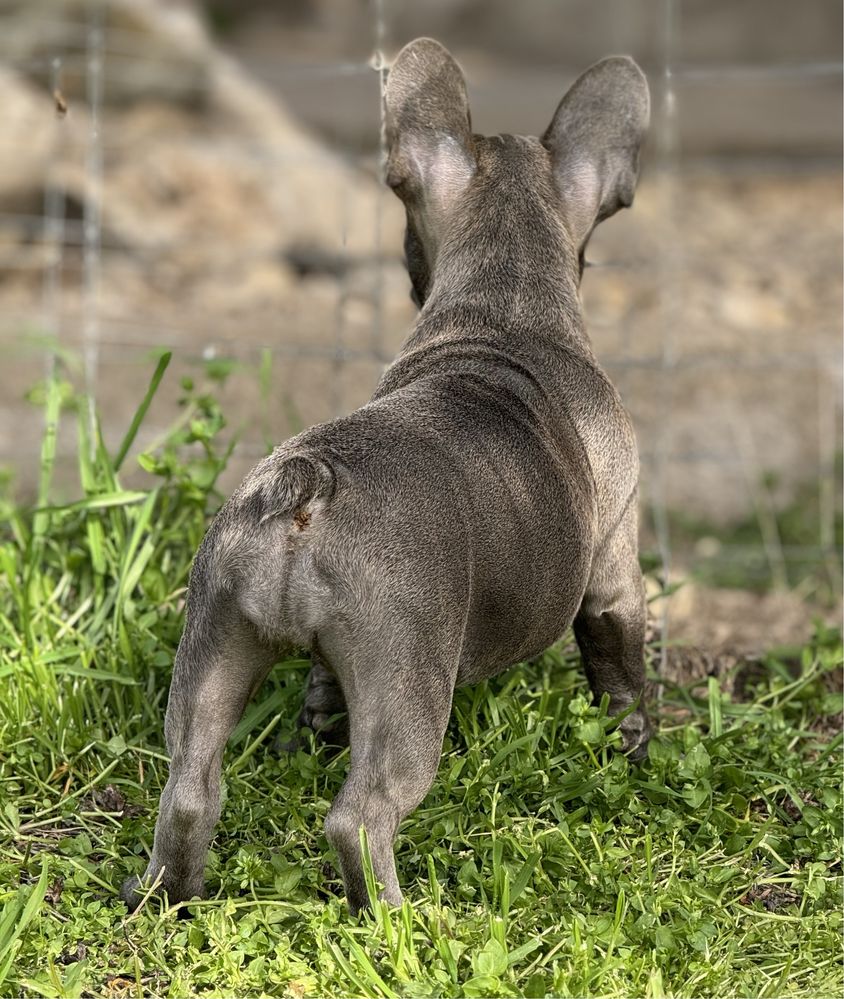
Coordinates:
[131,892]
[639,752]
[635,736]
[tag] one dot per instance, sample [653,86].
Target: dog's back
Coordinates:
[493,459]
[452,501]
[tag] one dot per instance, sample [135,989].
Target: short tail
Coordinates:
[283,485]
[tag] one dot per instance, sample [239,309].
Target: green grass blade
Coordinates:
[523,877]
[141,411]
[131,565]
[41,520]
[102,501]
[13,926]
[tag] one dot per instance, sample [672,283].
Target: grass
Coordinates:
[776,545]
[541,862]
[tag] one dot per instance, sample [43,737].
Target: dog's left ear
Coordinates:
[429,132]
[594,141]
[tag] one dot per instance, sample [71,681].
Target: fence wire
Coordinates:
[68,251]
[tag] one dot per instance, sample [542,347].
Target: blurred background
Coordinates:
[204,177]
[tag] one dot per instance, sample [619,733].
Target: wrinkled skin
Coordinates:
[481,502]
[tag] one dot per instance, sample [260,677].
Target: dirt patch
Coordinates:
[773,898]
[735,623]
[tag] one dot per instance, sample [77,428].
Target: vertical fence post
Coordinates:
[91,265]
[380,65]
[668,152]
[54,230]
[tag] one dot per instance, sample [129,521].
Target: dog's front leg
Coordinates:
[610,631]
[323,712]
[324,702]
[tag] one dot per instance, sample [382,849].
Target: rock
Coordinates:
[28,137]
[154,49]
[208,199]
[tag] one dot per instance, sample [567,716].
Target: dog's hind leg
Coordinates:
[610,631]
[220,663]
[398,711]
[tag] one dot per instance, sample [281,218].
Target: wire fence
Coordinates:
[769,468]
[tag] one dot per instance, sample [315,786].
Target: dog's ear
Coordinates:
[594,141]
[429,132]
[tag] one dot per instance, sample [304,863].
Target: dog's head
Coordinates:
[558,188]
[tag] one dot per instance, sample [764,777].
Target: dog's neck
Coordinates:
[509,271]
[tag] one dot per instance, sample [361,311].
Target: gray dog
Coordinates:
[479,504]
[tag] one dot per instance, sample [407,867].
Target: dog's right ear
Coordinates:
[594,141]
[429,131]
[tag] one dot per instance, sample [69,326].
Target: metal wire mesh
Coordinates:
[66,250]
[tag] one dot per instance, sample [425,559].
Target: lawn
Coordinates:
[541,862]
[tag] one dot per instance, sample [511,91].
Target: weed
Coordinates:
[541,862]
[786,549]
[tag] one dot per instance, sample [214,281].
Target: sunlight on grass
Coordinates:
[541,862]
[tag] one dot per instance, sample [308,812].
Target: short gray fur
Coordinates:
[484,500]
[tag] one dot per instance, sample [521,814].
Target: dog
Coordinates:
[483,501]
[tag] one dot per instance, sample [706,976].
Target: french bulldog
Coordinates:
[484,499]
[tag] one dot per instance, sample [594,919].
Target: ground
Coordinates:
[541,862]
[267,255]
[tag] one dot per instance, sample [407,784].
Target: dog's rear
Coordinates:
[483,501]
